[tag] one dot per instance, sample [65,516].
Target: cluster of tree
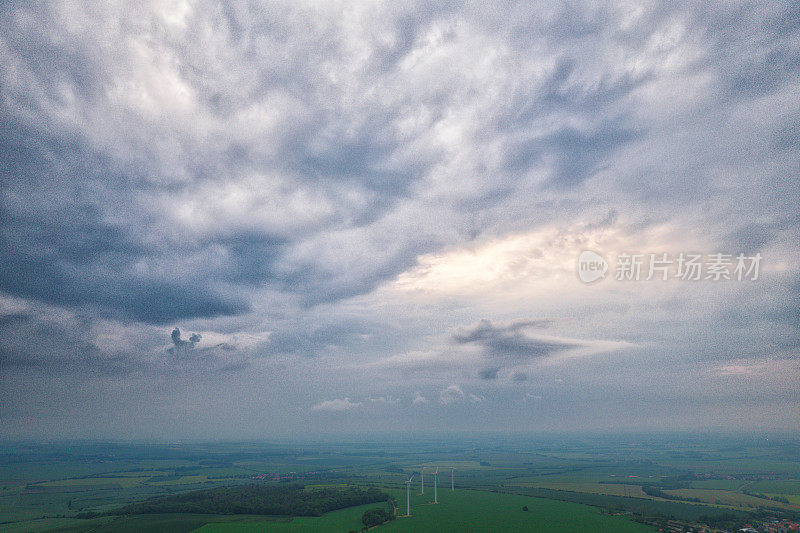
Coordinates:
[723,520]
[676,482]
[665,483]
[781,499]
[287,500]
[375,517]
[652,490]
[163,477]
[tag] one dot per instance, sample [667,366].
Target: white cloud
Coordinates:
[474,398]
[336,405]
[766,368]
[385,400]
[451,394]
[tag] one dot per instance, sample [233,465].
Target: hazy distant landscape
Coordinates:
[553,483]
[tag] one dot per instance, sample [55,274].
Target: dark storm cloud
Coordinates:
[220,357]
[509,340]
[489,373]
[60,190]
[32,343]
[486,329]
[56,247]
[181,344]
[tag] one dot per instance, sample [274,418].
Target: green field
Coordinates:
[596,484]
[775,486]
[590,488]
[462,510]
[724,497]
[118,482]
[719,484]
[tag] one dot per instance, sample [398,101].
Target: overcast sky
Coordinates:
[367,218]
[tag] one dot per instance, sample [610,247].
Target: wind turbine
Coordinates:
[435,484]
[408,495]
[452,486]
[422,474]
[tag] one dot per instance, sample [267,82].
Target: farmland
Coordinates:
[604,483]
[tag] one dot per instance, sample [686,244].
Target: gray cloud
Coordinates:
[267,170]
[489,373]
[32,342]
[341,170]
[65,253]
[220,357]
[181,344]
[510,340]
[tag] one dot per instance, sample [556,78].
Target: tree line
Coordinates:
[284,500]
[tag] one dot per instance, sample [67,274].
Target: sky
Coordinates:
[255,220]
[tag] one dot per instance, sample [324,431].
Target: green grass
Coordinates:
[591,488]
[119,481]
[179,480]
[777,486]
[467,510]
[463,510]
[680,510]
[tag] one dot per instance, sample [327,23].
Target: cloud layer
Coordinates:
[333,196]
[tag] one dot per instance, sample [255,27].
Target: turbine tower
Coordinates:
[408,495]
[452,486]
[435,485]
[422,474]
